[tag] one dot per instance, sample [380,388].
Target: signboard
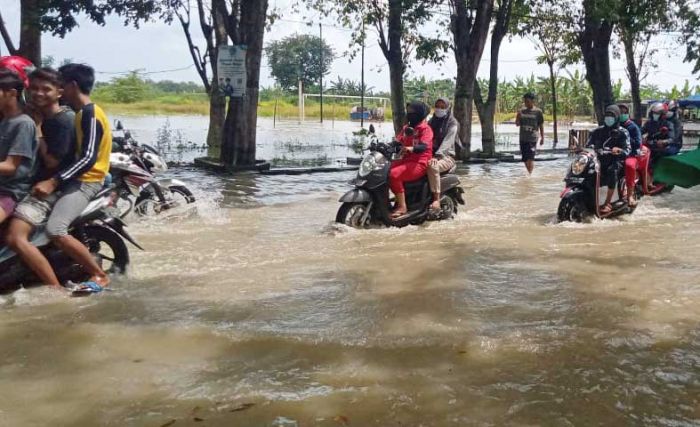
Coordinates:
[231,69]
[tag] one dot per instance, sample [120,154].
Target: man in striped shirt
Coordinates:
[80,180]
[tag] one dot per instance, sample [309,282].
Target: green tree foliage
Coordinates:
[429,90]
[59,17]
[298,57]
[125,90]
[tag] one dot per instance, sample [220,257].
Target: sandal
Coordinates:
[85,288]
[398,214]
[606,209]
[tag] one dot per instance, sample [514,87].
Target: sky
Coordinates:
[160,50]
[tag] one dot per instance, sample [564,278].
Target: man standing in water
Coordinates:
[530,120]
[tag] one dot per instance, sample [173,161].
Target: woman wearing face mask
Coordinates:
[445,128]
[615,138]
[416,139]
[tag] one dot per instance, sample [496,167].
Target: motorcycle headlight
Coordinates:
[578,166]
[370,163]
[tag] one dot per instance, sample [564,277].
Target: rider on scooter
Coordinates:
[445,128]
[674,117]
[631,162]
[659,132]
[416,139]
[615,138]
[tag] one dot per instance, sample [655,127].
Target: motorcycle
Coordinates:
[368,204]
[104,235]
[580,198]
[133,168]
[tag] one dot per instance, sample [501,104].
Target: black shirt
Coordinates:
[59,135]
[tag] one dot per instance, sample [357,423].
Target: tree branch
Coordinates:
[6,37]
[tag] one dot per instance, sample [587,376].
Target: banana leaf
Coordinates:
[682,170]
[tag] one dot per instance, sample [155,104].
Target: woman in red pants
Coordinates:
[416,137]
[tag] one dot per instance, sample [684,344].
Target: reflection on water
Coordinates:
[286,143]
[258,311]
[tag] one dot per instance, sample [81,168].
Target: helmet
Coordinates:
[21,66]
[659,108]
[672,105]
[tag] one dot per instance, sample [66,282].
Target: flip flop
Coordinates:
[606,209]
[87,288]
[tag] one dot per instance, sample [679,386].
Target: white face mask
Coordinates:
[656,117]
[440,112]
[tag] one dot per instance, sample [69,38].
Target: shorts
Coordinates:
[74,198]
[527,150]
[609,175]
[7,204]
[34,211]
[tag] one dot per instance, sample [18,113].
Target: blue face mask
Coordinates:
[609,121]
[656,117]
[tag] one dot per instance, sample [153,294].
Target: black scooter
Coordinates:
[368,204]
[580,198]
[102,234]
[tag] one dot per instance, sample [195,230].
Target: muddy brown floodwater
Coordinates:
[256,310]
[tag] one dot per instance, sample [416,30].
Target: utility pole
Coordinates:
[362,80]
[320,31]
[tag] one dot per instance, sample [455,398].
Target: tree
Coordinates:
[595,28]
[299,57]
[58,17]
[396,23]
[549,34]
[211,24]
[469,27]
[244,21]
[486,108]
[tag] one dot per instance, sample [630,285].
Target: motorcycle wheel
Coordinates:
[147,203]
[448,206]
[572,210]
[351,215]
[108,248]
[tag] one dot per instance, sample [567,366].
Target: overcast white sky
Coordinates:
[156,47]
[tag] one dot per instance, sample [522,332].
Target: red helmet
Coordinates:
[22,66]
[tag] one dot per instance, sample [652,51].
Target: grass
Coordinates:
[198,104]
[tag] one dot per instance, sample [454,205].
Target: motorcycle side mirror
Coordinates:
[371,129]
[127,135]
[409,131]
[119,125]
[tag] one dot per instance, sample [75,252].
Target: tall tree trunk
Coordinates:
[245,26]
[487,113]
[217,119]
[397,66]
[553,88]
[487,109]
[469,34]
[633,74]
[30,31]
[594,41]
[217,100]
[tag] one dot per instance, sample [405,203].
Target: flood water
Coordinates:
[256,310]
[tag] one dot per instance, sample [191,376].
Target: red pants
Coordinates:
[404,171]
[634,165]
